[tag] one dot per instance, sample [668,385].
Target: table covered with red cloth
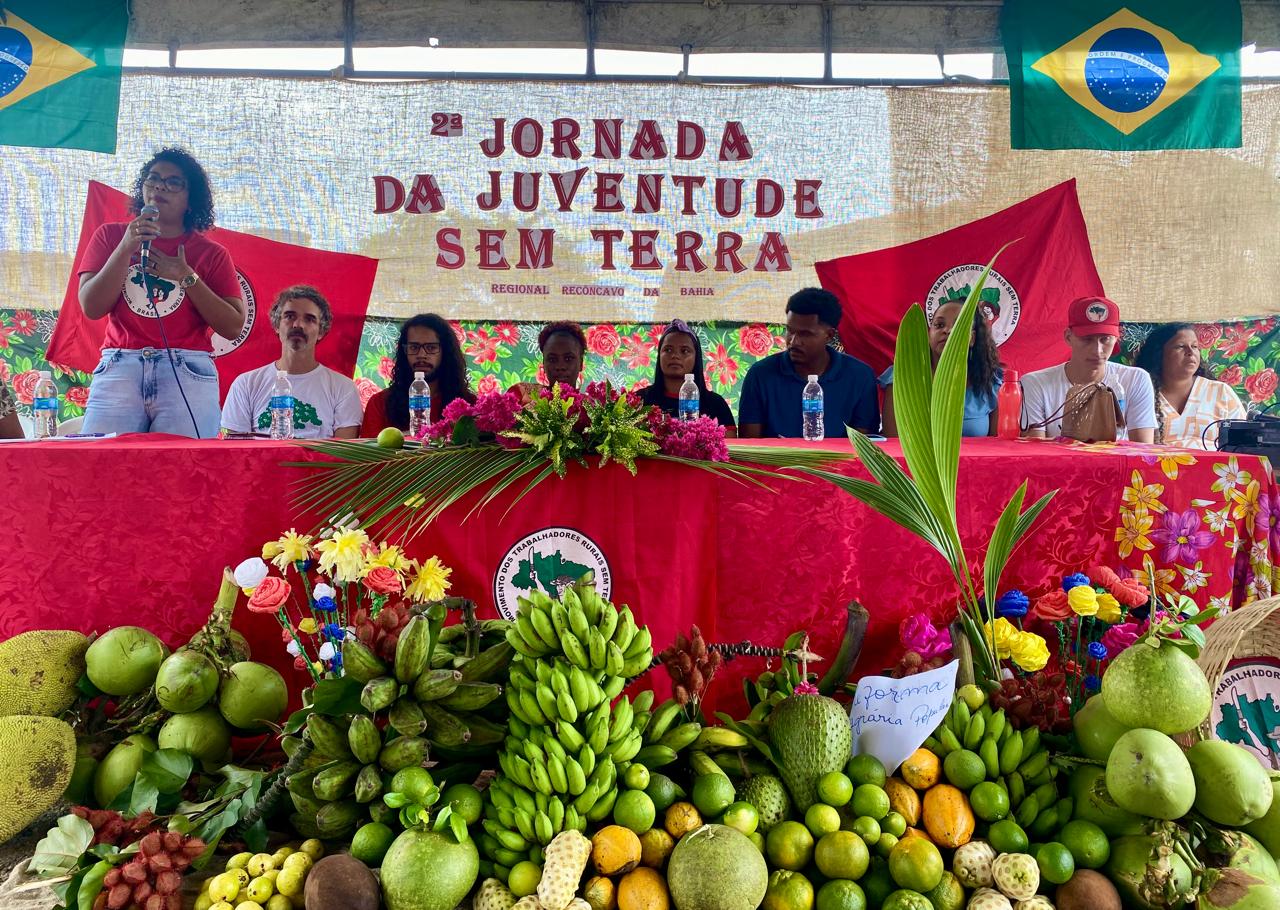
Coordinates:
[136,530]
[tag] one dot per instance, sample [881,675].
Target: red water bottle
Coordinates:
[1009,407]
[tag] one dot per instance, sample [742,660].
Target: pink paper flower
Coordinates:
[918,633]
[1117,638]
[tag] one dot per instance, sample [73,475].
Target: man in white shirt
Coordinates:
[1092,333]
[325,403]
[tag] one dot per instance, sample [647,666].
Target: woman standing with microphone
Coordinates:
[164,288]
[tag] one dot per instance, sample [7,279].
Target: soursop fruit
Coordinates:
[39,671]
[769,796]
[811,737]
[37,756]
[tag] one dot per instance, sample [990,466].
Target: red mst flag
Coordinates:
[264,267]
[1025,297]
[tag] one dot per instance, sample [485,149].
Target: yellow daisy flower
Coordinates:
[342,555]
[430,581]
[291,548]
[387,555]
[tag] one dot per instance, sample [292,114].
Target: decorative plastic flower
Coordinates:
[1002,635]
[334,631]
[323,590]
[326,651]
[430,581]
[1013,604]
[1108,608]
[387,555]
[1131,592]
[1029,651]
[1052,607]
[307,626]
[342,555]
[1118,638]
[1083,600]
[327,604]
[249,574]
[1097,650]
[292,648]
[289,549]
[918,633]
[1092,683]
[382,580]
[1075,580]
[269,595]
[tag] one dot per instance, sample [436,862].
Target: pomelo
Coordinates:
[117,770]
[186,681]
[1096,730]
[427,870]
[1231,787]
[252,696]
[124,660]
[1158,688]
[1148,774]
[202,734]
[720,855]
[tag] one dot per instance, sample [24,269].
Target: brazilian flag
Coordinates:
[60,72]
[1124,76]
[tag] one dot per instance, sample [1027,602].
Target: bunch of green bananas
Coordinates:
[1016,760]
[445,712]
[571,731]
[667,735]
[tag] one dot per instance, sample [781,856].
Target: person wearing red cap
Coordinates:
[1093,329]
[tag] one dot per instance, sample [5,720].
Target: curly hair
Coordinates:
[302,292]
[451,376]
[572,329]
[199,214]
[1150,357]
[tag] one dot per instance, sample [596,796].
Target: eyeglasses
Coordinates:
[412,348]
[172,184]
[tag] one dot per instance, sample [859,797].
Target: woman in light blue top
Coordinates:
[985,373]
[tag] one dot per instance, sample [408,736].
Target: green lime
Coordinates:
[916,864]
[1089,846]
[415,783]
[758,839]
[712,794]
[524,878]
[973,696]
[866,769]
[789,845]
[371,843]
[877,884]
[742,816]
[894,824]
[636,777]
[464,800]
[989,801]
[1007,836]
[866,828]
[391,438]
[635,810]
[964,769]
[835,788]
[1056,863]
[949,895]
[788,891]
[842,854]
[906,899]
[663,791]
[870,799]
[822,819]
[841,895]
[886,843]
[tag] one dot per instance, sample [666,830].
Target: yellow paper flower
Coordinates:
[430,581]
[289,549]
[1083,600]
[387,555]
[1108,608]
[1002,636]
[308,626]
[342,555]
[1030,652]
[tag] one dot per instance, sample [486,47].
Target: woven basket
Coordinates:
[1252,631]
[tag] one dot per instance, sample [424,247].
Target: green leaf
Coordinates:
[912,394]
[329,697]
[142,796]
[1195,633]
[465,432]
[169,769]
[60,849]
[91,884]
[458,825]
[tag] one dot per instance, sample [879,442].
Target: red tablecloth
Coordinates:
[137,529]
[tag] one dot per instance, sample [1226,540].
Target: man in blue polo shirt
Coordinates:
[772,391]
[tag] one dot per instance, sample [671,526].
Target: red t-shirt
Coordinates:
[375,413]
[132,324]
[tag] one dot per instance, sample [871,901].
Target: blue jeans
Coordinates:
[135,392]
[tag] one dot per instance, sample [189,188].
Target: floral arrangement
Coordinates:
[340,581]
[467,423]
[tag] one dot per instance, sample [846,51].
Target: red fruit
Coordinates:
[389,618]
[134,871]
[120,897]
[157,902]
[193,847]
[173,841]
[100,902]
[160,861]
[168,882]
[152,843]
[112,878]
[142,892]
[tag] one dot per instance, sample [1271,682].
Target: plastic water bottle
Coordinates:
[282,407]
[811,405]
[1009,406]
[44,405]
[419,406]
[689,398]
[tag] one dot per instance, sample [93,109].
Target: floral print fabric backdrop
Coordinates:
[499,354]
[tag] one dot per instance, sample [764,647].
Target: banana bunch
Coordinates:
[410,711]
[571,731]
[1015,759]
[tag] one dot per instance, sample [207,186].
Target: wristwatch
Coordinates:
[188,281]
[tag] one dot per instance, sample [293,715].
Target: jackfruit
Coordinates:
[37,756]
[39,671]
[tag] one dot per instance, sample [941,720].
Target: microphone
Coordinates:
[151,212]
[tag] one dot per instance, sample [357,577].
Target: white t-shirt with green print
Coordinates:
[323,401]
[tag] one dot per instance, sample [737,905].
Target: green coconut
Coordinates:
[186,681]
[252,696]
[124,660]
[1157,687]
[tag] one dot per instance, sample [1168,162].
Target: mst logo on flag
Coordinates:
[1095,74]
[60,72]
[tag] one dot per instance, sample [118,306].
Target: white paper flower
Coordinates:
[322,590]
[293,649]
[251,572]
[326,651]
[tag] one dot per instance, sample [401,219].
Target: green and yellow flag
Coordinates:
[1125,76]
[60,72]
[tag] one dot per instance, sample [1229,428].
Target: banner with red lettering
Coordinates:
[1024,299]
[264,267]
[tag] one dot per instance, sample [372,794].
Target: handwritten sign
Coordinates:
[892,717]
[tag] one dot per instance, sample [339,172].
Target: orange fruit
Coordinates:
[615,850]
[916,864]
[601,894]
[680,819]
[655,846]
[903,800]
[789,845]
[788,891]
[643,889]
[921,769]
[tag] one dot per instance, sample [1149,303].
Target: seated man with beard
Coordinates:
[428,346]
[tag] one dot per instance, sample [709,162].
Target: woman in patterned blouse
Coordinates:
[9,426]
[1189,404]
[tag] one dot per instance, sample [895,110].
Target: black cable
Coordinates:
[173,364]
[1205,432]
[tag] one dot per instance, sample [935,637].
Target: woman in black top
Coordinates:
[679,354]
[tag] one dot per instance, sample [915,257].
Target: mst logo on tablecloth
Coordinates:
[548,560]
[1246,708]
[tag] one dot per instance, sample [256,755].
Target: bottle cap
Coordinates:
[813,377]
[418,375]
[688,377]
[282,374]
[1010,375]
[46,374]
